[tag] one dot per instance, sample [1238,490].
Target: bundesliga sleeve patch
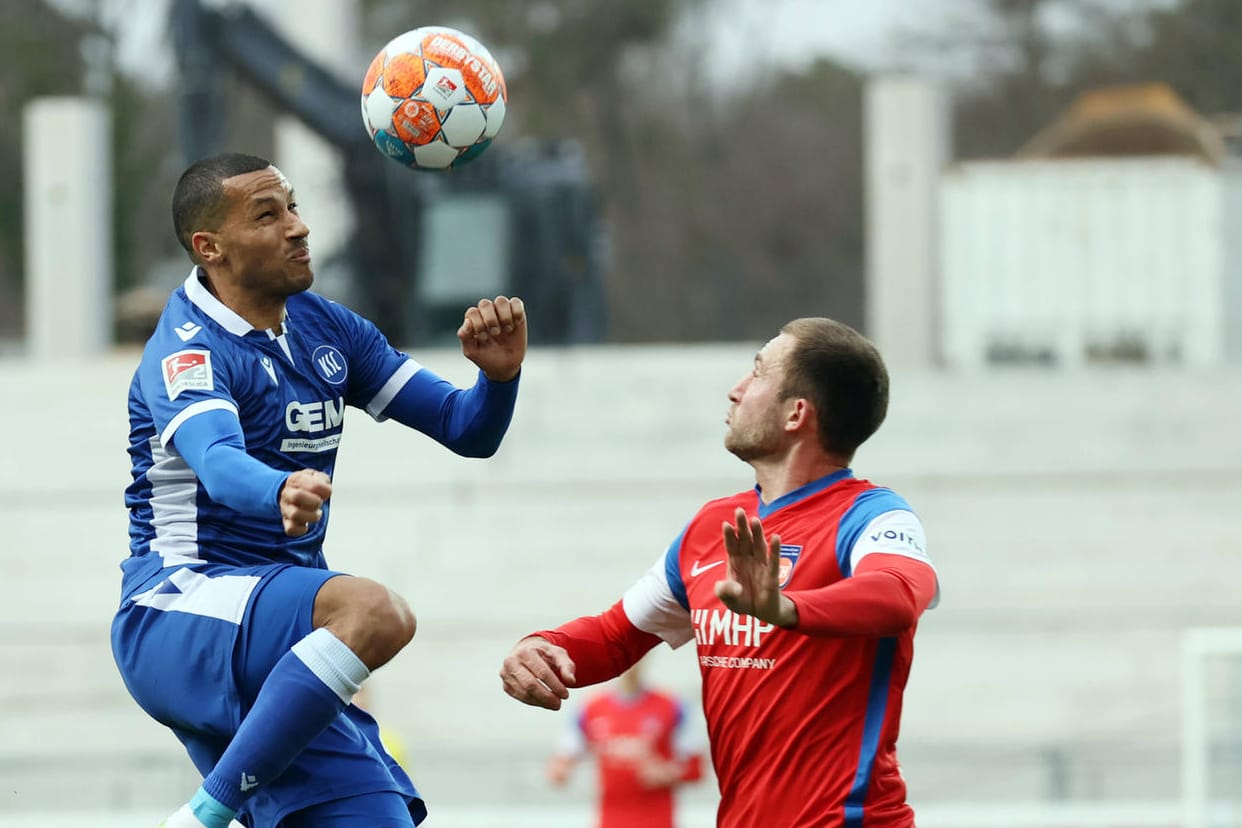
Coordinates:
[187,371]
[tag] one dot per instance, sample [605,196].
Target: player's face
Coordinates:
[262,240]
[756,417]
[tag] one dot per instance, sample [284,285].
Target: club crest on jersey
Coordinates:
[330,364]
[187,371]
[789,557]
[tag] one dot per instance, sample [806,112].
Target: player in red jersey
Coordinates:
[644,750]
[801,595]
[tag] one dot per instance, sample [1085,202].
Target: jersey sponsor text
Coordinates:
[315,416]
[737,663]
[728,627]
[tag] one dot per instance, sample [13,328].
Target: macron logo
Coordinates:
[186,332]
[696,570]
[248,782]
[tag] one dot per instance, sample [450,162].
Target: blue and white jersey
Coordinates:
[288,390]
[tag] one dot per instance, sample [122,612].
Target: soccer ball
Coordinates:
[433,98]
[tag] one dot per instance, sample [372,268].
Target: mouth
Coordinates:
[301,255]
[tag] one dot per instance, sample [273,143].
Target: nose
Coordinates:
[297,227]
[735,393]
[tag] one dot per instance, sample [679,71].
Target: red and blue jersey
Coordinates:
[623,732]
[803,727]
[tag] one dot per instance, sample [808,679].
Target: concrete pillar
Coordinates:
[906,146]
[327,32]
[67,172]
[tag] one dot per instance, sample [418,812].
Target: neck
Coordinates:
[779,476]
[262,312]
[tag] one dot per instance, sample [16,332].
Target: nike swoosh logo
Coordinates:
[697,570]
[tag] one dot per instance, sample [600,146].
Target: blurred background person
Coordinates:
[645,745]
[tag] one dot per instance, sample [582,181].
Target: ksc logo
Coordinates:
[330,364]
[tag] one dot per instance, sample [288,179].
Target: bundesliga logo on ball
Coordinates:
[433,98]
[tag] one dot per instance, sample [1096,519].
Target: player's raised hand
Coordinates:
[753,585]
[493,337]
[301,500]
[538,673]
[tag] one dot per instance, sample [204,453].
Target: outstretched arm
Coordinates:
[541,668]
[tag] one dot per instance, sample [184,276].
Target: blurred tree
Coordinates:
[1002,59]
[41,57]
[1015,71]
[1195,47]
[727,214]
[749,215]
[143,170]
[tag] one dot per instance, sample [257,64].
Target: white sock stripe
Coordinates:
[332,662]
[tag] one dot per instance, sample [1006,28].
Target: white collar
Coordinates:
[213,307]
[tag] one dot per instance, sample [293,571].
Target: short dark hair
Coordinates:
[842,374]
[198,200]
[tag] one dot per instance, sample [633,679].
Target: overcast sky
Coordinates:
[778,32]
[786,33]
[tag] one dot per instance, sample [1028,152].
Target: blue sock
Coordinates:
[305,691]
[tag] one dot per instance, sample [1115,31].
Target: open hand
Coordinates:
[753,585]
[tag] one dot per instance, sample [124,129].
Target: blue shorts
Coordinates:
[194,646]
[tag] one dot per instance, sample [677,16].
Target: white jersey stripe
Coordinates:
[174,512]
[395,383]
[651,606]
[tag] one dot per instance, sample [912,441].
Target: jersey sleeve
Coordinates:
[178,383]
[188,392]
[889,579]
[657,602]
[887,531]
[390,384]
[469,421]
[214,447]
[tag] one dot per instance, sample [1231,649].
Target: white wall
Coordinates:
[1079,521]
[1064,255]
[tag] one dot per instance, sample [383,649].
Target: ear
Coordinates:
[205,246]
[800,415]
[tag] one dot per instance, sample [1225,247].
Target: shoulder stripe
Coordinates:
[191,411]
[672,571]
[869,505]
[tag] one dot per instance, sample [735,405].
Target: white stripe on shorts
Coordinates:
[224,597]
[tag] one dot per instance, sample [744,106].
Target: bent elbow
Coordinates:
[477,450]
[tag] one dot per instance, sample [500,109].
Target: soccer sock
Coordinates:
[305,691]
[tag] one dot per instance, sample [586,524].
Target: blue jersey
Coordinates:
[288,390]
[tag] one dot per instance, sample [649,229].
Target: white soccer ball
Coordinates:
[433,98]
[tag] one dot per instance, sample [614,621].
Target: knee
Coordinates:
[390,623]
[372,620]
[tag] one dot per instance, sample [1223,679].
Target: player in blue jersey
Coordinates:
[231,629]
